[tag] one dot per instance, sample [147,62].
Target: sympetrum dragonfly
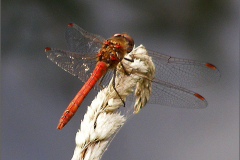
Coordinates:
[91,57]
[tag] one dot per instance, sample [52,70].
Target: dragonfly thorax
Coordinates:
[113,51]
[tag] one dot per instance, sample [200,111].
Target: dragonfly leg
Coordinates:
[113,82]
[100,81]
[130,60]
[125,69]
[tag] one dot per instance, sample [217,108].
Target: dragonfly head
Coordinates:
[128,39]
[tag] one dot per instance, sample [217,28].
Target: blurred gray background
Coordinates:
[35,92]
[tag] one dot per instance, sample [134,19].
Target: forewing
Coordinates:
[183,72]
[81,41]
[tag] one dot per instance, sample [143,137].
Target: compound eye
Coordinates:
[128,38]
[130,41]
[117,35]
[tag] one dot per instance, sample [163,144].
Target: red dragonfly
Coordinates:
[92,59]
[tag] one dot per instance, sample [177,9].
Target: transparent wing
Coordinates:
[81,67]
[183,72]
[80,61]
[81,41]
[173,75]
[72,62]
[171,95]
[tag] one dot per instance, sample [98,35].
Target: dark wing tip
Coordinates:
[70,24]
[47,49]
[199,96]
[210,65]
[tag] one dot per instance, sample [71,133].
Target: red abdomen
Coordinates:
[98,72]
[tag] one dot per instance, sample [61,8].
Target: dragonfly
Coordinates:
[93,59]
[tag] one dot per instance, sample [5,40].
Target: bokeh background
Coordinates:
[35,92]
